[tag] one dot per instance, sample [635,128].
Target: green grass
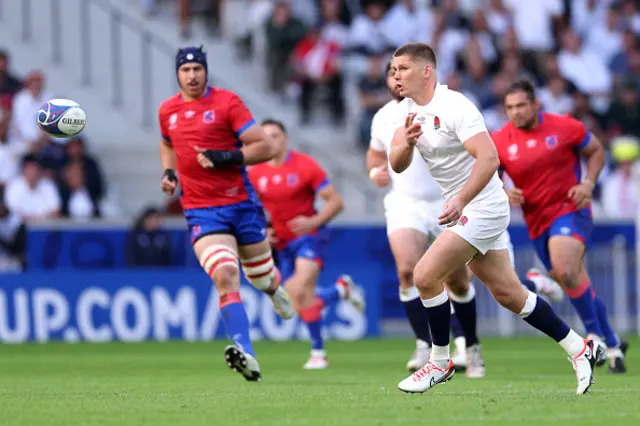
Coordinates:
[529,381]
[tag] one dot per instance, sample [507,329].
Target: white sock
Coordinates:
[573,344]
[461,343]
[320,353]
[440,356]
[421,344]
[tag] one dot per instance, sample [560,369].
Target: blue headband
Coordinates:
[191,54]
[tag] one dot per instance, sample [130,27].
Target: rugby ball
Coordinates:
[61,118]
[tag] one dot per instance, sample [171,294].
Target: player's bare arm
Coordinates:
[333,205]
[378,167]
[482,148]
[581,193]
[404,140]
[168,162]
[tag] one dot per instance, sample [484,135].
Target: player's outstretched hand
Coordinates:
[516,198]
[452,212]
[412,131]
[302,225]
[581,194]
[381,176]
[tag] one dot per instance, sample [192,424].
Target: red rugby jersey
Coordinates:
[288,190]
[544,163]
[214,121]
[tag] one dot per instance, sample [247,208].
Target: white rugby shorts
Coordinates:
[484,225]
[402,211]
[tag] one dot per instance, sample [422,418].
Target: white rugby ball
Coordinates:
[61,118]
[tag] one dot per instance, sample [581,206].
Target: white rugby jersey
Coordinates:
[447,122]
[416,181]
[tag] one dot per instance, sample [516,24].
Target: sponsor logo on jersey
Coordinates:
[551,141]
[436,123]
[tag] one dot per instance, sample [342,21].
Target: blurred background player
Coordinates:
[411,212]
[200,129]
[541,154]
[288,186]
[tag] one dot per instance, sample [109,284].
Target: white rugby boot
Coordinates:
[459,357]
[475,362]
[243,363]
[601,359]
[282,303]
[317,361]
[584,363]
[426,378]
[546,285]
[420,356]
[351,292]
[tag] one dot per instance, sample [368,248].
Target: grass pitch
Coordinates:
[529,382]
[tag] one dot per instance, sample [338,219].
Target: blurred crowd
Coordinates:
[582,55]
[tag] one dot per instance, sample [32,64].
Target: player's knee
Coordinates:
[459,285]
[221,264]
[260,271]
[405,275]
[566,275]
[425,280]
[507,297]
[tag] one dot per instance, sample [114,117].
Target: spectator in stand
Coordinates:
[477,79]
[594,121]
[630,12]
[25,107]
[9,160]
[555,98]
[494,114]
[147,244]
[621,190]
[315,62]
[374,94]
[481,34]
[283,32]
[77,202]
[32,196]
[9,85]
[619,64]
[13,236]
[75,151]
[185,7]
[498,18]
[402,22]
[534,22]
[332,22]
[368,35]
[584,68]
[605,38]
[623,117]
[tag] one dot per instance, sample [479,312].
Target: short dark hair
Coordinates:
[524,86]
[30,159]
[417,51]
[274,122]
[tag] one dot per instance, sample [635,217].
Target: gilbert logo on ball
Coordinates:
[61,118]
